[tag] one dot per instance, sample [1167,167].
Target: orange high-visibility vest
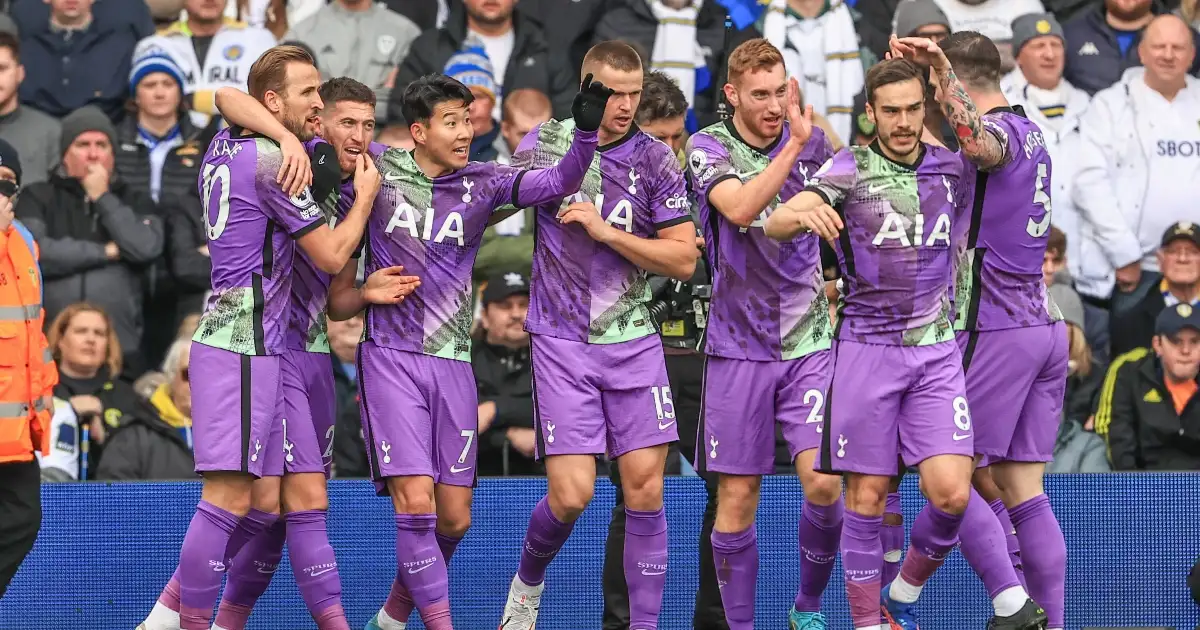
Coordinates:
[27,371]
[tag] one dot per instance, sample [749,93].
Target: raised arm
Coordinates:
[243,110]
[543,185]
[330,248]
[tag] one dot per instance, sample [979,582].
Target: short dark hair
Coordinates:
[1056,244]
[269,71]
[975,59]
[422,96]
[891,71]
[10,41]
[661,98]
[614,54]
[341,89]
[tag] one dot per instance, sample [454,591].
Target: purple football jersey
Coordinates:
[251,225]
[582,290]
[999,280]
[897,249]
[434,227]
[768,299]
[307,328]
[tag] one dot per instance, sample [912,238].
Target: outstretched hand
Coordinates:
[590,103]
[800,119]
[389,286]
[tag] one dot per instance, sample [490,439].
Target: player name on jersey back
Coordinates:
[999,281]
[768,300]
[582,290]
[251,225]
[896,249]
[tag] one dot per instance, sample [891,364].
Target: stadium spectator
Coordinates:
[684,38]
[514,42]
[210,50]
[992,18]
[88,355]
[360,39]
[154,440]
[61,461]
[349,451]
[508,245]
[472,67]
[1179,260]
[160,144]
[396,136]
[1189,10]
[7,25]
[1077,449]
[569,25]
[28,379]
[1144,409]
[521,111]
[1104,42]
[820,47]
[1140,158]
[1054,261]
[64,43]
[164,12]
[97,233]
[32,133]
[875,24]
[921,18]
[504,379]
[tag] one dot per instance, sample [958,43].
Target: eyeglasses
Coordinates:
[9,188]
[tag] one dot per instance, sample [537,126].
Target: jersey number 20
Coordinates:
[1034,228]
[214,174]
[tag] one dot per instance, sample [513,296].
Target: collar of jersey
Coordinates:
[911,167]
[732,129]
[633,131]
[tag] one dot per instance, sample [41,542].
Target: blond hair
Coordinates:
[1079,352]
[269,72]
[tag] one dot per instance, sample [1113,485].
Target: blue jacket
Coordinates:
[1094,59]
[63,74]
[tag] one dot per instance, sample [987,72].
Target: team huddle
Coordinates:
[941,302]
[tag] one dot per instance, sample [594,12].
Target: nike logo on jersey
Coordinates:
[958,437]
[664,427]
[875,189]
[456,469]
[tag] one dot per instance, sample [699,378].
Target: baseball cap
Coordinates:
[1175,318]
[1182,229]
[502,285]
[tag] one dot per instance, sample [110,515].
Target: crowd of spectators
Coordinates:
[107,109]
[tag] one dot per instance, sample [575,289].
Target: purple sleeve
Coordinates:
[1003,130]
[708,164]
[835,179]
[297,215]
[535,187]
[668,194]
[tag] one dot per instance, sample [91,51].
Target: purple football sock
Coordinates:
[862,564]
[202,563]
[250,571]
[820,534]
[399,604]
[1010,535]
[645,566]
[934,534]
[981,539]
[736,557]
[315,566]
[545,536]
[1044,557]
[420,565]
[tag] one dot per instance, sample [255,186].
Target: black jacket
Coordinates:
[533,63]
[116,397]
[181,169]
[632,21]
[1137,416]
[145,448]
[1094,59]
[191,271]
[875,26]
[505,377]
[72,231]
[1133,328]
[349,449]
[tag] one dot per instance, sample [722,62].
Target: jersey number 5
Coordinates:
[214,175]
[1034,228]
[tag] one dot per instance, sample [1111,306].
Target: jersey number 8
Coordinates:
[216,174]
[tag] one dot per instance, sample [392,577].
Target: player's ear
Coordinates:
[731,96]
[272,101]
[417,131]
[871,114]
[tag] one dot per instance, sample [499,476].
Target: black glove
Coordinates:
[588,108]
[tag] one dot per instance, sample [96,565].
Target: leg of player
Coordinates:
[453,520]
[224,500]
[985,485]
[306,505]
[1045,556]
[572,480]
[256,547]
[735,547]
[418,547]
[820,532]
[616,591]
[710,610]
[645,555]
[862,549]
[893,529]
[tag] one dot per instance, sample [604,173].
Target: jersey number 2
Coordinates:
[216,174]
[1034,228]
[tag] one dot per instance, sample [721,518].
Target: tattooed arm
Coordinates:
[978,143]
